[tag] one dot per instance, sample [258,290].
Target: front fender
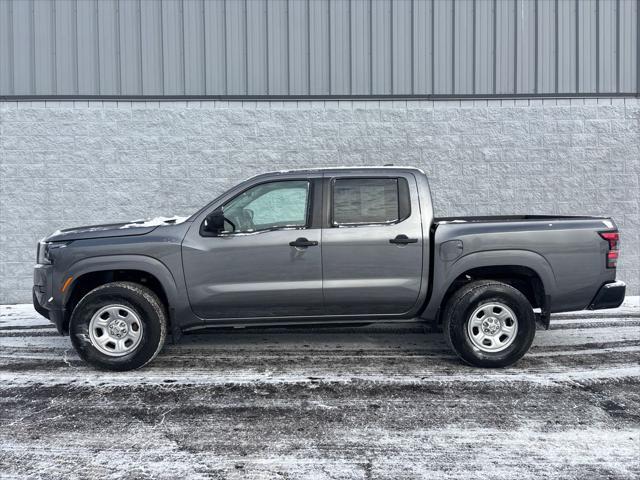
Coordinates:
[445,273]
[143,263]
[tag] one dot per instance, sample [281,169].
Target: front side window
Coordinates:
[269,206]
[361,201]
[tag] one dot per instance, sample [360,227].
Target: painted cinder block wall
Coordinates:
[69,163]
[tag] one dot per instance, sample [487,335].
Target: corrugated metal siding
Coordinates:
[422,51]
[525,46]
[317,47]
[380,48]
[463,48]
[484,49]
[587,46]
[87,31]
[277,49]
[109,61]
[361,45]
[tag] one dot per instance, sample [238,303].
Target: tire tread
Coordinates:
[149,296]
[453,305]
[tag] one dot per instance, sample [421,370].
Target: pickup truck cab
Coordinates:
[323,246]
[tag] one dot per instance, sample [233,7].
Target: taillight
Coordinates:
[613,238]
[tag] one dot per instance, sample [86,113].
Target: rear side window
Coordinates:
[363,201]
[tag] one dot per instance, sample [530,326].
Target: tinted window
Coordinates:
[269,205]
[365,201]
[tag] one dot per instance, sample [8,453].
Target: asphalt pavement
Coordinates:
[376,402]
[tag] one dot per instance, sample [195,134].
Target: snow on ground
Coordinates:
[378,402]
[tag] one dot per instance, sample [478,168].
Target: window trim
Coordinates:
[401,218]
[308,213]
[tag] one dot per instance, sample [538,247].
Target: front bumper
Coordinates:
[610,295]
[43,300]
[53,314]
[42,287]
[36,303]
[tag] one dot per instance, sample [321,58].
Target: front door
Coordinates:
[372,245]
[267,262]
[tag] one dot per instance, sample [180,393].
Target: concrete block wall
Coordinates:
[68,163]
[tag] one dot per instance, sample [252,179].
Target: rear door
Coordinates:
[371,244]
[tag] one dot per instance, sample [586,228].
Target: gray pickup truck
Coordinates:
[323,246]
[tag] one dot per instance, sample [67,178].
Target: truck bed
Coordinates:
[567,252]
[513,218]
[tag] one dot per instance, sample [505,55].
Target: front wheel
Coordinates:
[118,326]
[489,324]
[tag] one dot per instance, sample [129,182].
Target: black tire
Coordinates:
[462,305]
[141,300]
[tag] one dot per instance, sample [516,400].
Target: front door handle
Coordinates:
[403,240]
[303,243]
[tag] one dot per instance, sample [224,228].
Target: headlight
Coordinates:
[43,254]
[45,250]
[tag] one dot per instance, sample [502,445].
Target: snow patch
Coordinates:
[155,222]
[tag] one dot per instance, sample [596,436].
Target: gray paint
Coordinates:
[287,280]
[566,254]
[322,47]
[362,272]
[349,273]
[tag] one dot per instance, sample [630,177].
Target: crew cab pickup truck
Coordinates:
[324,246]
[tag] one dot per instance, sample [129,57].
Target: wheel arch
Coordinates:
[526,271]
[95,271]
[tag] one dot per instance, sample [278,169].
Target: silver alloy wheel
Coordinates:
[115,330]
[492,327]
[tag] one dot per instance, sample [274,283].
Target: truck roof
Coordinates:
[351,169]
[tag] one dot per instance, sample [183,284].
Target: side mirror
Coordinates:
[214,222]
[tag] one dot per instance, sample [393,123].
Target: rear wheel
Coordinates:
[118,326]
[489,324]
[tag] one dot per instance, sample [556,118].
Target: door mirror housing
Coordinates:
[214,222]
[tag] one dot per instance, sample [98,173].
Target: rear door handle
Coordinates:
[403,240]
[303,243]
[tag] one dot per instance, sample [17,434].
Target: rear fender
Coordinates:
[445,273]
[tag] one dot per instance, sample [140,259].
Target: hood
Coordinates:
[126,229]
